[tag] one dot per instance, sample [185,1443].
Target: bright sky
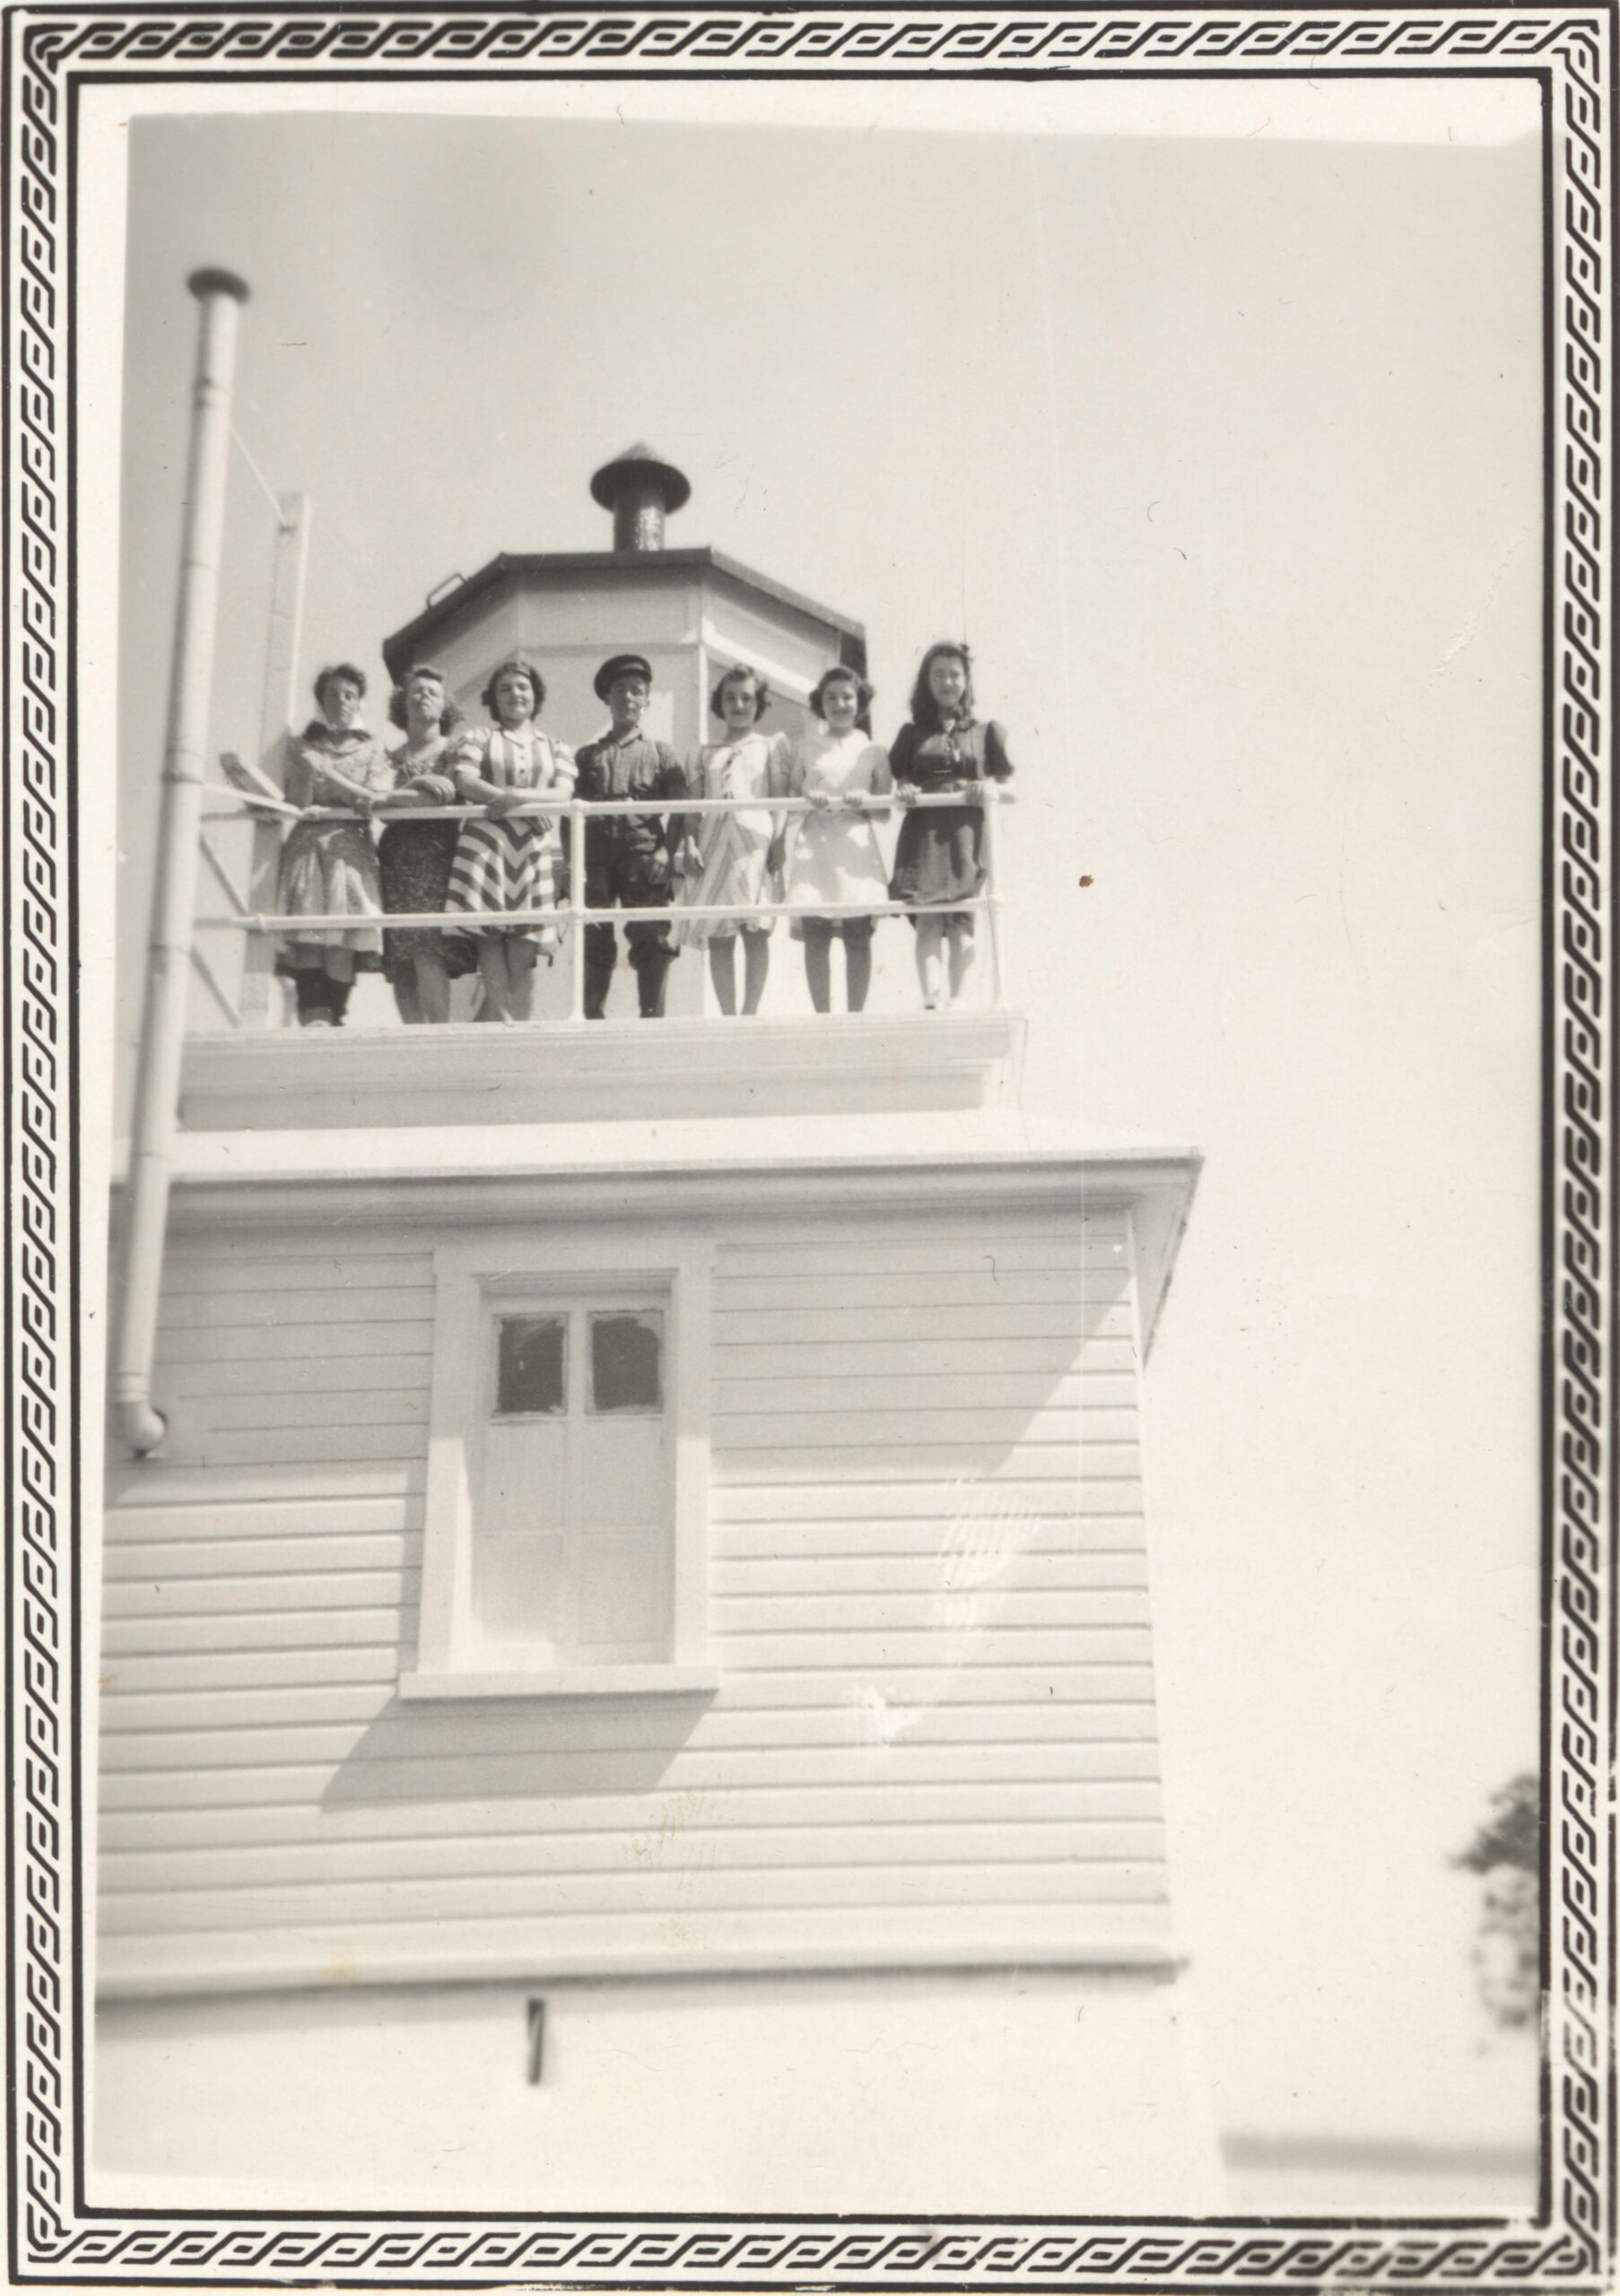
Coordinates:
[1215,420]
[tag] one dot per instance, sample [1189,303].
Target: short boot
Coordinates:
[598,980]
[652,974]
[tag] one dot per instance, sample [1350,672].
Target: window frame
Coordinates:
[473,1277]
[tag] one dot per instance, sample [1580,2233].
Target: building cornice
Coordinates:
[416,638]
[437,1182]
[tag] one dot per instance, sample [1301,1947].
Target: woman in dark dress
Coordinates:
[939,855]
[415,856]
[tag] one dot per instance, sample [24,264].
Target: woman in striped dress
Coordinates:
[507,860]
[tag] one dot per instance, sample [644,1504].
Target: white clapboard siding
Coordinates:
[273,1341]
[857,1356]
[971,1879]
[213,1675]
[343,1407]
[738,1832]
[969,1287]
[935,1571]
[229,1310]
[948,1608]
[922,1743]
[306,1630]
[353,1766]
[156,1560]
[868,1742]
[193,1273]
[867,1386]
[287,1590]
[889,1325]
[316,1374]
[1100,1261]
[809,1788]
[144,1485]
[267,1446]
[457,1800]
[205,1517]
[983,1703]
[927,1603]
[948,1496]
[859,1432]
[959,1541]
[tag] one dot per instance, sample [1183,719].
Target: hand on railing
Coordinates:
[526,802]
[362,803]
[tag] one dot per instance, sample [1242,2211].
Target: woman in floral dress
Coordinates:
[415,858]
[328,868]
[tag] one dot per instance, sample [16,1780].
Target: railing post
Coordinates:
[262,1003]
[576,903]
[992,886]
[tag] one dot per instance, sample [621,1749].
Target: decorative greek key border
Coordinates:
[46,51]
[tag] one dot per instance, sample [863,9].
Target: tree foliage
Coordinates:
[1505,1853]
[1512,1834]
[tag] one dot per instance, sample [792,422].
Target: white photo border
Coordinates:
[50,53]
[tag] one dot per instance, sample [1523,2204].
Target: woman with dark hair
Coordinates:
[506,860]
[831,854]
[735,849]
[328,868]
[415,856]
[938,856]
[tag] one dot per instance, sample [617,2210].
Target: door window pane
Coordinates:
[530,1376]
[626,1361]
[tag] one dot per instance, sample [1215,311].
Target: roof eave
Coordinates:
[410,641]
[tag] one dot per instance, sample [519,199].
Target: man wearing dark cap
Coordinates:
[629,857]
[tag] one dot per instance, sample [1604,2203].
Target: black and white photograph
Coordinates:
[811,1014]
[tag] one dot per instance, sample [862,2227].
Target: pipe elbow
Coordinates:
[140,1427]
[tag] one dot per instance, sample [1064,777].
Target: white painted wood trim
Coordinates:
[467,1274]
[692,1305]
[448,1179]
[323,1972]
[628,1681]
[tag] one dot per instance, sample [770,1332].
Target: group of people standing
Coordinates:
[727,870]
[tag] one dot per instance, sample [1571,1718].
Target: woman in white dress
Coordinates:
[736,849]
[831,854]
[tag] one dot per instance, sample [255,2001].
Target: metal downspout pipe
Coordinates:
[219,293]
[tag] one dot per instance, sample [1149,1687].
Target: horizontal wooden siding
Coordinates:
[927,1597]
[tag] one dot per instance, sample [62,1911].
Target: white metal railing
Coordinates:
[575,812]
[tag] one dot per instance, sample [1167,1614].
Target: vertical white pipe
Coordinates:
[174,890]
